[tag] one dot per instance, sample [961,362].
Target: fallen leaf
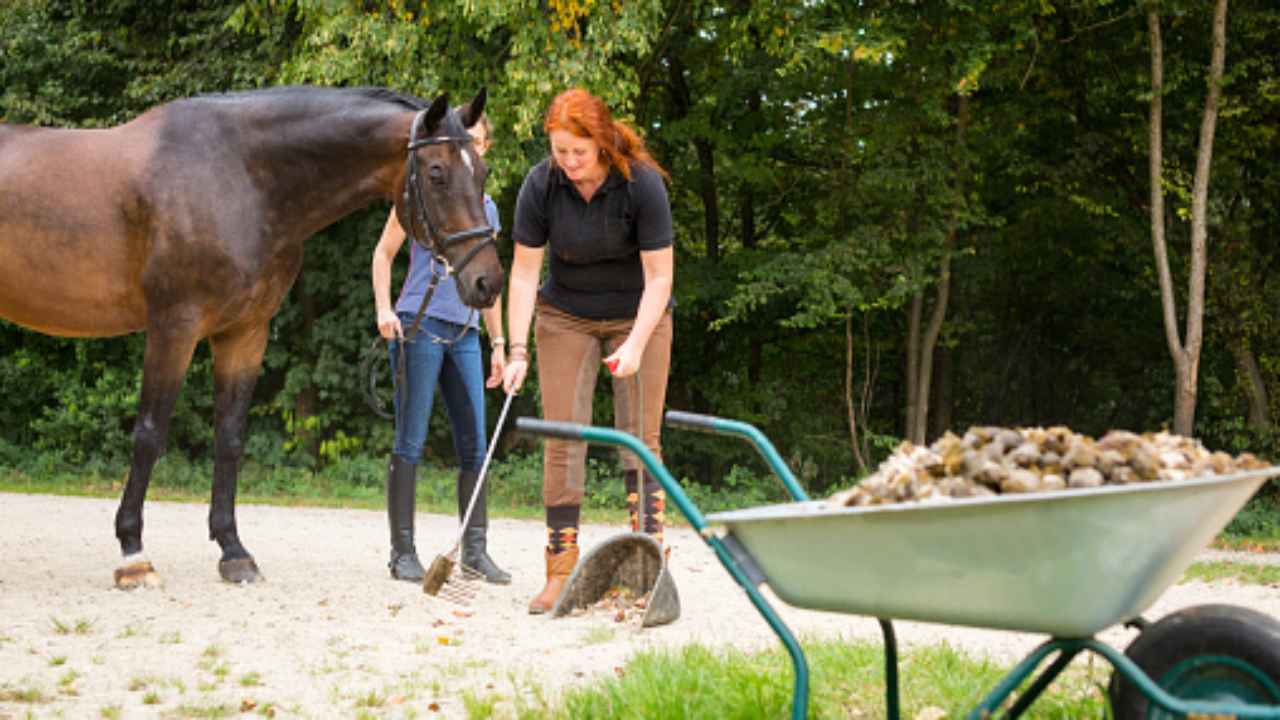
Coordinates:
[619,672]
[248,704]
[396,700]
[442,639]
[434,707]
[463,613]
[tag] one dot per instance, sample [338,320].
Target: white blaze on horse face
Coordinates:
[466,159]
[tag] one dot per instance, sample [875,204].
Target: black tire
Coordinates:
[1245,642]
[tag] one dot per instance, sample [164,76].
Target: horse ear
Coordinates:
[435,113]
[471,112]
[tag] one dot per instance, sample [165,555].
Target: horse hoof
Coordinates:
[137,573]
[239,570]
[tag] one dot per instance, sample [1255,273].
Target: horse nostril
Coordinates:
[482,287]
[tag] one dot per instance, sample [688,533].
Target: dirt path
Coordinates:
[329,635]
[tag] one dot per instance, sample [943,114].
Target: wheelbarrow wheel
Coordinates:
[1210,653]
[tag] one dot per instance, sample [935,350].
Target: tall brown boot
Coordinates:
[559,567]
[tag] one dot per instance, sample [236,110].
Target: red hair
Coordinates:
[585,115]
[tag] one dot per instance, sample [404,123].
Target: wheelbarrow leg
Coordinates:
[890,669]
[1048,676]
[987,707]
[800,693]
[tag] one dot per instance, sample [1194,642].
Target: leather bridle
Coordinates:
[433,240]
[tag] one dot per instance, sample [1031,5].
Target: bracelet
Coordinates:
[497,342]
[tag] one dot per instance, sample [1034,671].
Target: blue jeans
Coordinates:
[433,359]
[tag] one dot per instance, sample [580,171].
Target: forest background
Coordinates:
[892,218]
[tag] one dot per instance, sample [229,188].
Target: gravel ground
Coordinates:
[329,635]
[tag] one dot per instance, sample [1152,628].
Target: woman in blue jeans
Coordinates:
[443,353]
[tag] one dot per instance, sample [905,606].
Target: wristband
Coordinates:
[497,342]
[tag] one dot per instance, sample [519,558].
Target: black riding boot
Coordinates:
[474,554]
[402,480]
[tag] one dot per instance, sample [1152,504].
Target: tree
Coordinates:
[1186,355]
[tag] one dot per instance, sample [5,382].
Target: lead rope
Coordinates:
[373,354]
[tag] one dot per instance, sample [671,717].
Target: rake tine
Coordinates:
[458,592]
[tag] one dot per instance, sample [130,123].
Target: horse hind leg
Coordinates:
[237,361]
[165,361]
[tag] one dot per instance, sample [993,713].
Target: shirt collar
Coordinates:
[612,180]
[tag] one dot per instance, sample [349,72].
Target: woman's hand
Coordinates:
[389,325]
[517,367]
[625,361]
[497,367]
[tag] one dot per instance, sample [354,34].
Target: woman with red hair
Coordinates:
[600,203]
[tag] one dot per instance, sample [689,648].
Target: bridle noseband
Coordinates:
[420,218]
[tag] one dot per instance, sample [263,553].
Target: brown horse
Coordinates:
[188,222]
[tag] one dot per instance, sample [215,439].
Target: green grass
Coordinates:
[186,712]
[846,681]
[1246,573]
[1247,543]
[514,483]
[79,626]
[30,695]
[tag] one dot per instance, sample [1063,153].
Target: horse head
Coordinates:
[442,202]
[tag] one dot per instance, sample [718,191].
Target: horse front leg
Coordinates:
[237,361]
[165,361]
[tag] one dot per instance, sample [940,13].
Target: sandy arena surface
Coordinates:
[330,635]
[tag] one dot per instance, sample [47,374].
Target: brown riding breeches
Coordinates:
[570,350]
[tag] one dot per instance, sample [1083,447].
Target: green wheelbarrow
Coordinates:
[1066,564]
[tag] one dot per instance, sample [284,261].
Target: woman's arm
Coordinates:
[526,267]
[388,245]
[497,343]
[659,272]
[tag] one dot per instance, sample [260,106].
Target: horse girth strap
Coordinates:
[420,218]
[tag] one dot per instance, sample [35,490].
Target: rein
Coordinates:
[433,241]
[420,218]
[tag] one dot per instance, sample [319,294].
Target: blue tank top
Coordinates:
[445,304]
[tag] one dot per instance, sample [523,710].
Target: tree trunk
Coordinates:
[851,411]
[943,408]
[913,364]
[1255,387]
[921,348]
[1186,358]
[929,342]
[706,158]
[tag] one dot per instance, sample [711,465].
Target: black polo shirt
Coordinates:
[595,269]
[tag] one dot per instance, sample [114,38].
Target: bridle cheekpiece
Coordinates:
[420,218]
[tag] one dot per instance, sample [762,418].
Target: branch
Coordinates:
[1104,23]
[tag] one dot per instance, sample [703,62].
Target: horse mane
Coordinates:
[318,93]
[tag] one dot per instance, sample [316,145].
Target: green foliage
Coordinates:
[819,175]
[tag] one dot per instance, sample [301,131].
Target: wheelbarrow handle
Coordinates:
[692,421]
[676,494]
[610,436]
[723,426]
[551,428]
